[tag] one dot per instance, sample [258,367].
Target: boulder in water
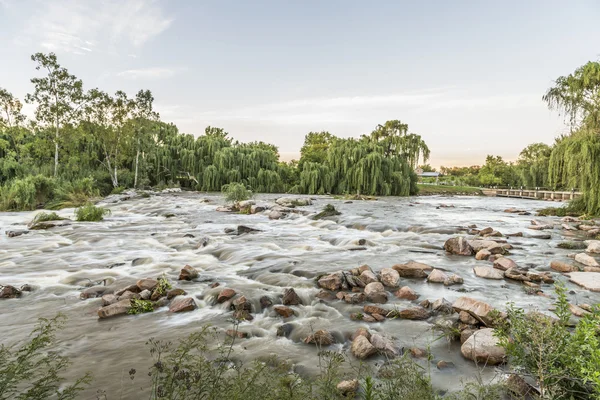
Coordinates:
[504,263]
[9,292]
[146,284]
[182,304]
[284,311]
[320,337]
[406,293]
[390,277]
[482,347]
[188,273]
[562,266]
[413,269]
[458,246]
[362,348]
[478,309]
[226,294]
[119,308]
[488,273]
[331,282]
[348,388]
[291,298]
[437,276]
[414,313]
[586,260]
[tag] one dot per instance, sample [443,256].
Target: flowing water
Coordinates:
[165,232]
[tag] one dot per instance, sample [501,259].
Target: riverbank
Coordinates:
[437,190]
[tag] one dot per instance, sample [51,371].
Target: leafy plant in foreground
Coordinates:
[33,371]
[140,306]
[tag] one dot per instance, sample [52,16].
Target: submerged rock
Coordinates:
[182,304]
[413,269]
[563,266]
[320,337]
[291,298]
[226,294]
[284,311]
[119,308]
[488,273]
[9,292]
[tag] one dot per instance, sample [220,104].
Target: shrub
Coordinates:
[563,361]
[43,217]
[73,193]
[236,192]
[140,306]
[89,212]
[33,370]
[163,285]
[27,193]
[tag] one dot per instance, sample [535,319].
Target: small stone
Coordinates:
[482,347]
[586,260]
[145,294]
[488,273]
[483,254]
[89,293]
[129,295]
[347,388]
[378,317]
[285,330]
[175,292]
[444,364]
[188,273]
[363,268]
[466,334]
[375,310]
[182,304]
[368,277]
[214,285]
[418,353]
[340,295]
[284,311]
[413,269]
[109,299]
[242,303]
[504,264]
[467,318]
[458,246]
[331,282]
[577,311]
[406,293]
[375,293]
[265,302]
[290,298]
[242,315]
[442,306]
[453,280]
[361,332]
[226,294]
[354,298]
[384,345]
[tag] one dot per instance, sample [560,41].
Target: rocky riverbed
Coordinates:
[381,278]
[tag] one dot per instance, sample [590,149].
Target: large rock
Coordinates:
[9,292]
[390,277]
[182,304]
[291,298]
[437,276]
[146,284]
[593,246]
[563,266]
[320,337]
[384,345]
[586,260]
[413,269]
[482,347]
[331,282]
[362,348]
[504,264]
[459,246]
[488,273]
[368,276]
[476,308]
[119,308]
[188,273]
[414,313]
[376,293]
[587,280]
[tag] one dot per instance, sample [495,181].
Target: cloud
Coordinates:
[80,27]
[150,73]
[360,108]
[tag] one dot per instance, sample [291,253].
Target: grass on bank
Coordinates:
[430,190]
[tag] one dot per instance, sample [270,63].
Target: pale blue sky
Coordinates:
[468,76]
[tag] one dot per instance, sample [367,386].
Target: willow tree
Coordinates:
[394,138]
[575,159]
[533,164]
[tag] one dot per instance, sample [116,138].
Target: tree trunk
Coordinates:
[137,157]
[56,153]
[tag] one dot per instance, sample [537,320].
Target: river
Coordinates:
[166,231]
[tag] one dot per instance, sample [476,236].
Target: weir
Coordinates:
[533,194]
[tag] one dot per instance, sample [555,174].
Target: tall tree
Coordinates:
[10,110]
[59,97]
[315,148]
[144,117]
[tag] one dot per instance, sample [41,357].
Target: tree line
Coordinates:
[87,138]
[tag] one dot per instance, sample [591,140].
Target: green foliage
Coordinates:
[572,245]
[43,217]
[236,192]
[33,371]
[328,211]
[90,213]
[163,285]
[564,362]
[140,306]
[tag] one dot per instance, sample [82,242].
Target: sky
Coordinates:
[468,76]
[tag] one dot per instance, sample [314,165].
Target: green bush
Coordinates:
[90,213]
[328,211]
[236,192]
[565,362]
[140,306]
[27,193]
[43,217]
[33,370]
